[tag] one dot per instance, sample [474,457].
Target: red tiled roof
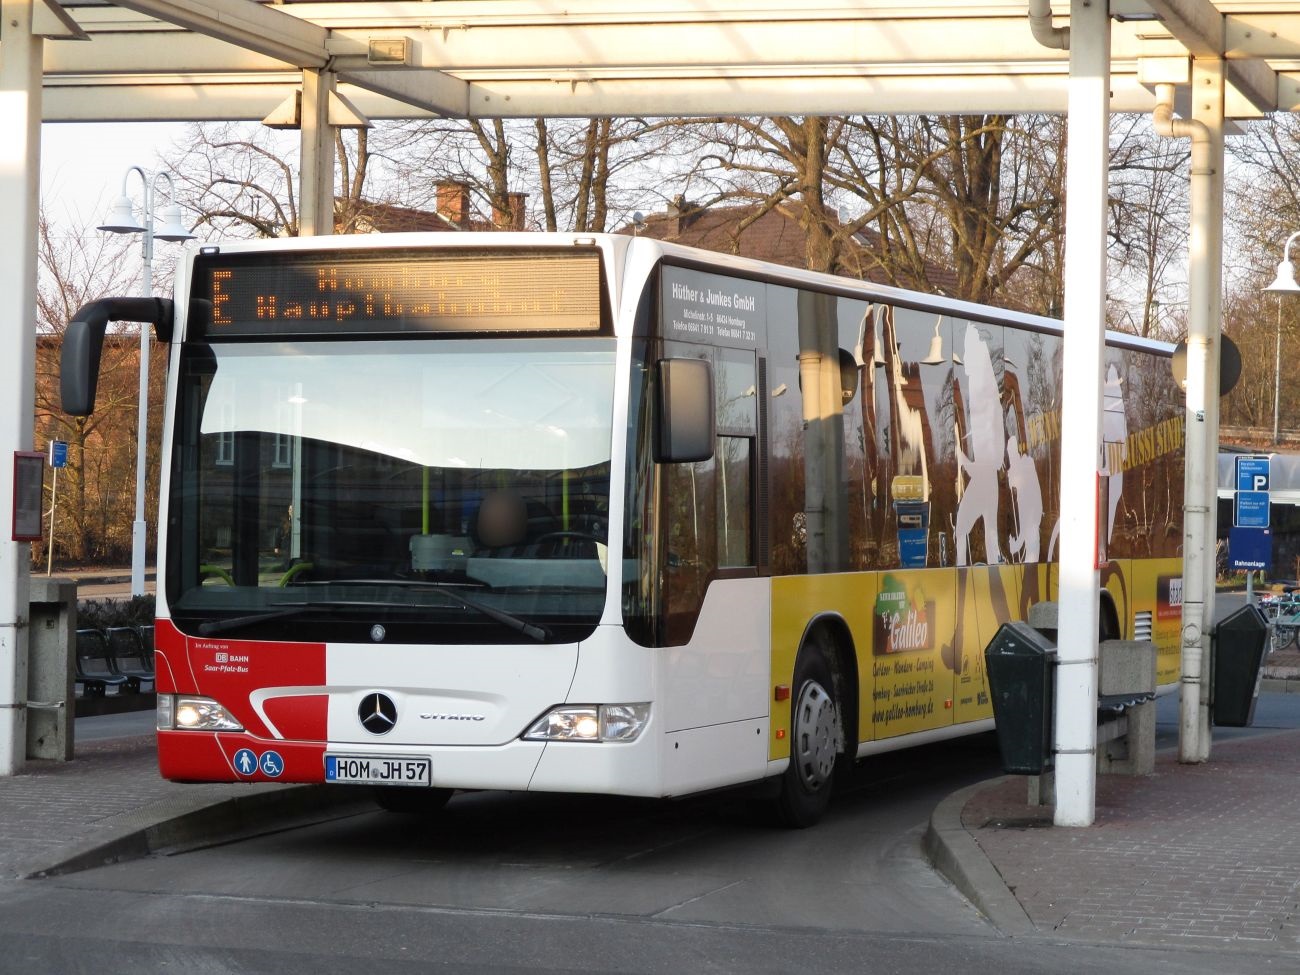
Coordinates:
[385,218]
[455,212]
[776,236]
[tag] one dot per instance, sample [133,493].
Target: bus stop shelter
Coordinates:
[1193,64]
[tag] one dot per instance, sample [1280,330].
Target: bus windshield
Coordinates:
[435,492]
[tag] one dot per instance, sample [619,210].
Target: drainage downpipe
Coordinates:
[1040,22]
[1196,530]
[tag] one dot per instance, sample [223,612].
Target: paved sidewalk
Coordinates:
[1282,665]
[1204,855]
[110,803]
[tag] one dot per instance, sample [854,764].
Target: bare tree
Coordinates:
[240,179]
[76,266]
[1264,190]
[1148,226]
[965,204]
[578,174]
[1263,209]
[786,161]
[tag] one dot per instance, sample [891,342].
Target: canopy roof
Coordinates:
[240,59]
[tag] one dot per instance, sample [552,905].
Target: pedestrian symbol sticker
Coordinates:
[246,761]
[271,764]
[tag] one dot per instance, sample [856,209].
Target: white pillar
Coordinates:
[1204,308]
[316,176]
[1085,307]
[20,147]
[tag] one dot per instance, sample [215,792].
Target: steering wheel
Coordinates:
[565,536]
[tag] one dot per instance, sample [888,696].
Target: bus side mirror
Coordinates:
[686,421]
[79,367]
[83,343]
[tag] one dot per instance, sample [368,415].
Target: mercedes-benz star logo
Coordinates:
[378,713]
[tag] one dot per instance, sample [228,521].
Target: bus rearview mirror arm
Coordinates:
[83,343]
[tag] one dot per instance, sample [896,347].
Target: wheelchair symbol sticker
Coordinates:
[271,765]
[246,761]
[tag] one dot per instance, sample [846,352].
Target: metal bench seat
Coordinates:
[130,657]
[95,675]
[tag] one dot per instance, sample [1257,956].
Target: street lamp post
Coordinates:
[121,220]
[1284,282]
[1277,373]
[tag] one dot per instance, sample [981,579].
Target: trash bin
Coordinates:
[1021,663]
[1238,644]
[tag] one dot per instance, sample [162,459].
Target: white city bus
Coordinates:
[607,515]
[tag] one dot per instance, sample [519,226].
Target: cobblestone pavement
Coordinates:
[52,805]
[110,802]
[1283,664]
[1194,854]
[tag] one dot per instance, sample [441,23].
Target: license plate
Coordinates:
[376,769]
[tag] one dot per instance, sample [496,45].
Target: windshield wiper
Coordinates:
[213,627]
[519,625]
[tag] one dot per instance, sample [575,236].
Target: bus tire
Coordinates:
[816,738]
[410,801]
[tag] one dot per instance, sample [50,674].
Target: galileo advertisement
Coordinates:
[911,686]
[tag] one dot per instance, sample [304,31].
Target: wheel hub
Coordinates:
[816,736]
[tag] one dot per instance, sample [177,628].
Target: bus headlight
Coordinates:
[605,722]
[183,713]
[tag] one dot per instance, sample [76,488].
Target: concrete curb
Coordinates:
[100,578]
[953,852]
[1280,685]
[179,823]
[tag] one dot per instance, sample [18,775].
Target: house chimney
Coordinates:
[676,212]
[453,204]
[513,215]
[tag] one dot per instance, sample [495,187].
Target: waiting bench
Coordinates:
[113,661]
[95,675]
[131,658]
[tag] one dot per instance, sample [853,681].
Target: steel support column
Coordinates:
[1204,307]
[316,187]
[1085,306]
[20,148]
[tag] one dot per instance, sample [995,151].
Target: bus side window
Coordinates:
[735,489]
[737,392]
[690,517]
[709,503]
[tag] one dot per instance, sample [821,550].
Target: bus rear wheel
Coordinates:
[410,801]
[816,740]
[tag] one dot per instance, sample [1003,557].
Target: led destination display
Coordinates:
[329,293]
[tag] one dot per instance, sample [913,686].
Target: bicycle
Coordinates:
[1283,614]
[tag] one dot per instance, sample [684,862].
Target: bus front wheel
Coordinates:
[815,741]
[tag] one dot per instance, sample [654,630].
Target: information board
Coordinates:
[1250,505]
